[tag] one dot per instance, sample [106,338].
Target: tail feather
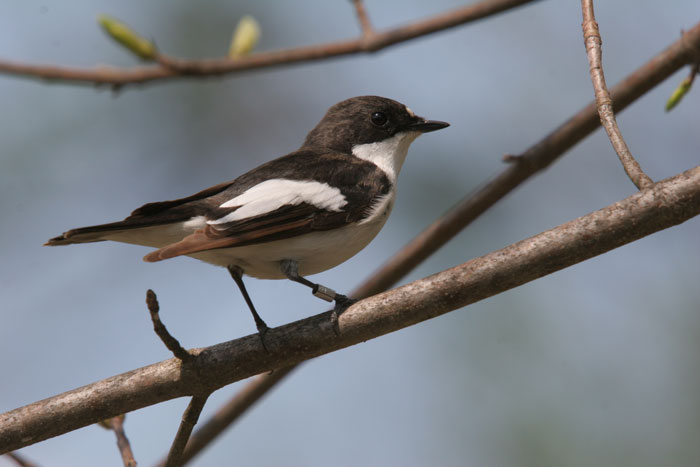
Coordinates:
[93,233]
[158,214]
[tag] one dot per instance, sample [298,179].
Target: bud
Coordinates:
[127,37]
[244,37]
[679,93]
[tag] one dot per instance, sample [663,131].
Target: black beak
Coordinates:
[426,126]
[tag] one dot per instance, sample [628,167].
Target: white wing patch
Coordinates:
[277,192]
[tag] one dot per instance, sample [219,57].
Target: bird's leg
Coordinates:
[290,268]
[237,275]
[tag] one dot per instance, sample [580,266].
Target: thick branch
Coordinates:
[604,102]
[179,68]
[667,203]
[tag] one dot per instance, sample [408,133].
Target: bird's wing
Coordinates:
[275,209]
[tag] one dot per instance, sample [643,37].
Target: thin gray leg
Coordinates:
[290,268]
[237,275]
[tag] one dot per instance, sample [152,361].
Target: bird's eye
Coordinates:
[379,118]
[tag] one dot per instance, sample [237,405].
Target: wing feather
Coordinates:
[286,222]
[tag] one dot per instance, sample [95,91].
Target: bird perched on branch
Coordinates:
[294,216]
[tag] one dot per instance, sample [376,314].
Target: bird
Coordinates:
[294,216]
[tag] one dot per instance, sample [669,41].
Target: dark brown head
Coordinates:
[366,119]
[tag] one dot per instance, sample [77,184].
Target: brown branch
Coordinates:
[593,42]
[179,68]
[116,424]
[170,342]
[367,29]
[536,158]
[668,203]
[189,420]
[20,460]
[229,412]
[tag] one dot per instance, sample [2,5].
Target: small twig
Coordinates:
[116,424]
[367,29]
[694,71]
[593,42]
[511,158]
[229,412]
[189,420]
[170,342]
[20,460]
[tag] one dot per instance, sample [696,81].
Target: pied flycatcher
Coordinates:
[301,214]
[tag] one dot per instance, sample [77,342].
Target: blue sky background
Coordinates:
[594,365]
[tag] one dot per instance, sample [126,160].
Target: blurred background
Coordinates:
[595,365]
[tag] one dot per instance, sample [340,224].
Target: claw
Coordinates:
[342,303]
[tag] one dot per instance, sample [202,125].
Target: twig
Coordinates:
[671,202]
[20,460]
[179,68]
[116,424]
[229,412]
[536,158]
[170,342]
[362,17]
[593,42]
[189,420]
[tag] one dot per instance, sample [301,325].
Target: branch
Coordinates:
[593,42]
[20,460]
[179,68]
[116,424]
[536,158]
[170,342]
[189,420]
[229,412]
[362,17]
[667,203]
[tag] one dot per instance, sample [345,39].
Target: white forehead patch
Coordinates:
[277,192]
[410,112]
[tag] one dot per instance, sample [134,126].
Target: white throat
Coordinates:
[389,154]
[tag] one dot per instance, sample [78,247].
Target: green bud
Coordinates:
[127,37]
[679,93]
[244,37]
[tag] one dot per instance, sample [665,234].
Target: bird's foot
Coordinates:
[262,330]
[342,303]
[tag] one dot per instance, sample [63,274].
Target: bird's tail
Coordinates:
[93,233]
